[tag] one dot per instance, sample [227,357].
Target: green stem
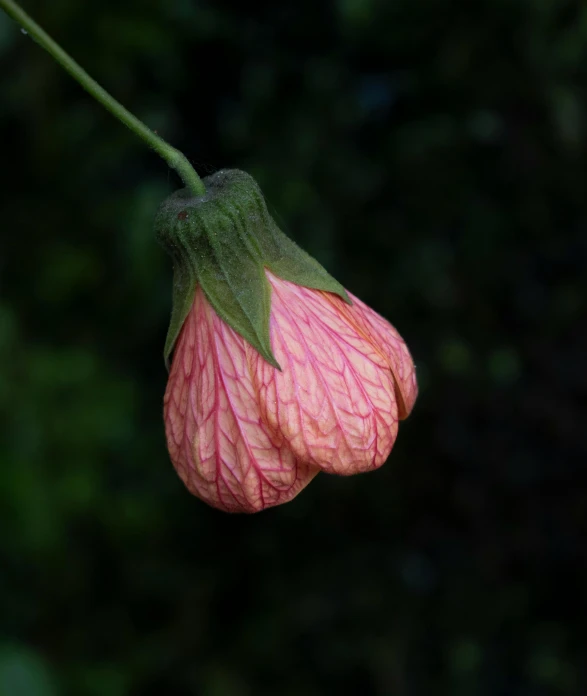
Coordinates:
[174,158]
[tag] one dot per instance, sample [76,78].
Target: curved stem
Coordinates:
[174,158]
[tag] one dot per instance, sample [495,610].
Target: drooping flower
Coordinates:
[277,372]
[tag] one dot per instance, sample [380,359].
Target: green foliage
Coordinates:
[431,155]
[22,673]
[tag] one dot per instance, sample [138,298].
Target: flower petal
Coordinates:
[221,448]
[334,400]
[384,336]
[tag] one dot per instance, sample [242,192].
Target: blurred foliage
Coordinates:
[433,156]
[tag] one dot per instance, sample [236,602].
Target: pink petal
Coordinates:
[222,450]
[387,340]
[334,401]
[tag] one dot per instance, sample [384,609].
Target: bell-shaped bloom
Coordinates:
[245,435]
[277,372]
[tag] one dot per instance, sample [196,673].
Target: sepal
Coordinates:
[223,241]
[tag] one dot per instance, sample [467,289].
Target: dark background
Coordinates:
[433,156]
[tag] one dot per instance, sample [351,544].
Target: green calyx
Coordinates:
[223,241]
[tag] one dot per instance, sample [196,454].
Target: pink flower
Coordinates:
[245,436]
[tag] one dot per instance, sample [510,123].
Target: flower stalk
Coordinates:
[174,158]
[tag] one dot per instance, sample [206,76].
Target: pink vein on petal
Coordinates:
[222,449]
[334,401]
[387,340]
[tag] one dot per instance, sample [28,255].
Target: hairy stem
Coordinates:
[174,158]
